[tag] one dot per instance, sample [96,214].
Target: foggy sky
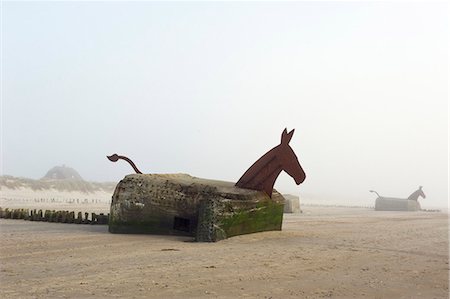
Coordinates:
[206,88]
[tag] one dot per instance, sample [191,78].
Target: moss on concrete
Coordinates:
[152,224]
[267,215]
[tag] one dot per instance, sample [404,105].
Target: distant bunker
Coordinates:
[396,204]
[179,204]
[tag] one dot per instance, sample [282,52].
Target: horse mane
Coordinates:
[261,176]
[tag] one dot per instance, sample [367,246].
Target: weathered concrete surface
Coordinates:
[180,204]
[396,204]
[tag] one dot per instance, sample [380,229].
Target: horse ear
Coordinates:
[286,137]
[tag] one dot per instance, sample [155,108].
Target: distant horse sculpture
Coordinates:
[263,173]
[261,176]
[399,204]
[414,196]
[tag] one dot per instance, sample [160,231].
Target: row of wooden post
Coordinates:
[70,200]
[54,216]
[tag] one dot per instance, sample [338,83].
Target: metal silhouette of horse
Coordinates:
[263,173]
[414,196]
[261,176]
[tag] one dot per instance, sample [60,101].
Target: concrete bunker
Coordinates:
[209,210]
[180,204]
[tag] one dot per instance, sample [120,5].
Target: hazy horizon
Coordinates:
[206,88]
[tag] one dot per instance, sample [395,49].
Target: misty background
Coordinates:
[206,88]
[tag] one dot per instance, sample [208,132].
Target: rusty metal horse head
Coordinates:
[263,173]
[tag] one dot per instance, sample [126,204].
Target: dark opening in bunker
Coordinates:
[181,224]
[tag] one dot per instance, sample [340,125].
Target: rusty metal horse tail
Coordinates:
[115,158]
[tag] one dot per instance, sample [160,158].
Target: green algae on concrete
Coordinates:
[154,224]
[267,215]
[223,219]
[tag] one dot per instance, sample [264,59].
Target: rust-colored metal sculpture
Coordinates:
[115,158]
[262,174]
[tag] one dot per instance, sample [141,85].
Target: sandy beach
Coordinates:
[323,253]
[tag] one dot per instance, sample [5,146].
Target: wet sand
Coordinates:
[322,253]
